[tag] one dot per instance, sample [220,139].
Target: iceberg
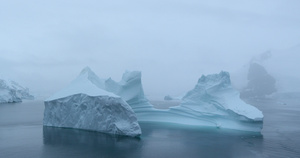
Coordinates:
[130,89]
[213,102]
[11,91]
[85,104]
[168,97]
[260,82]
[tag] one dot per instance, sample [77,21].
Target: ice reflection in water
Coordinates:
[158,140]
[61,142]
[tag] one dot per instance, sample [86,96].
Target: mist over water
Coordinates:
[46,44]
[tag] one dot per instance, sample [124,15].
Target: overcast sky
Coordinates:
[45,44]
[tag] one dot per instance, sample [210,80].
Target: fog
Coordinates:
[45,44]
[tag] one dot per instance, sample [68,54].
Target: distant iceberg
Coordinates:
[168,98]
[84,104]
[11,91]
[260,83]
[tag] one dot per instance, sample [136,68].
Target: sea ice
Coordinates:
[84,104]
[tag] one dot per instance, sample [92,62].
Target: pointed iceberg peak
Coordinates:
[87,70]
[223,76]
[215,80]
[91,76]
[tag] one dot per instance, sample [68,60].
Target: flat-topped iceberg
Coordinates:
[84,104]
[213,102]
[11,91]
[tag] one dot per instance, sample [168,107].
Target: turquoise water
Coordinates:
[22,135]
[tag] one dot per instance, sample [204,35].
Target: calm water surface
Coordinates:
[23,136]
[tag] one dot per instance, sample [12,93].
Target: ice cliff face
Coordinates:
[213,102]
[84,104]
[11,91]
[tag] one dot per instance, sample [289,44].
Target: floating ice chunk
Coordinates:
[84,105]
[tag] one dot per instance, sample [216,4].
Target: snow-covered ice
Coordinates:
[85,104]
[11,91]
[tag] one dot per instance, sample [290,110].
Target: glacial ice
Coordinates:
[85,104]
[11,91]
[213,102]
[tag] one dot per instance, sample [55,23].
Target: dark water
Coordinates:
[23,136]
